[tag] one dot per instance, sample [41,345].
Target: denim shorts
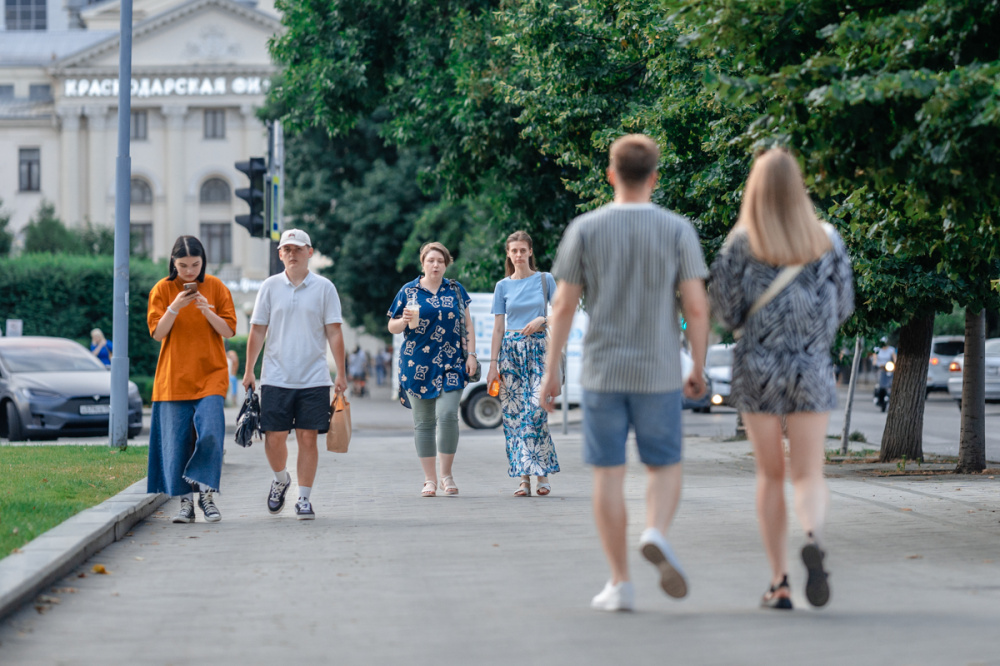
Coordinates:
[655,417]
[282,409]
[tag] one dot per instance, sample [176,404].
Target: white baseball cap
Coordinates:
[294,237]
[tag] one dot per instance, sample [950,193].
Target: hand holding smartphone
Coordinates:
[191,286]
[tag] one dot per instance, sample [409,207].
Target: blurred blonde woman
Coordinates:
[100,347]
[785,280]
[520,303]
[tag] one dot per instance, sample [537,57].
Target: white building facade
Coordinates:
[200,70]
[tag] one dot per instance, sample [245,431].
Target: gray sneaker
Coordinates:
[186,514]
[304,510]
[276,498]
[207,505]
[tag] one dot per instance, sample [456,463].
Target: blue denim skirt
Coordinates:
[185,445]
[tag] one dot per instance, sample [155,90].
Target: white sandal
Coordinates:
[523,490]
[430,489]
[448,485]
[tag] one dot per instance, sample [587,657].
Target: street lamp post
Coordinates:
[118,420]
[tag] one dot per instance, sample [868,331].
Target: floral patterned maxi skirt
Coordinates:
[530,450]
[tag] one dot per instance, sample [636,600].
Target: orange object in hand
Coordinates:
[494,389]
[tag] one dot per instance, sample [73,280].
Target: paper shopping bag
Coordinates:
[339,434]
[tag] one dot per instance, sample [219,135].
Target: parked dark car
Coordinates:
[54,387]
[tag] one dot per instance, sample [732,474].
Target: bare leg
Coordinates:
[806,436]
[308,456]
[663,493]
[276,448]
[446,460]
[765,433]
[428,465]
[611,518]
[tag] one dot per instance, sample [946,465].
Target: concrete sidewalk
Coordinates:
[384,576]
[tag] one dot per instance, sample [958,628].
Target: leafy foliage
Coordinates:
[6,237]
[66,296]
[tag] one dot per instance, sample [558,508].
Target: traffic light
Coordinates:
[255,169]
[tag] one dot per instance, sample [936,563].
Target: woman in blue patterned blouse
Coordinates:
[427,312]
[518,362]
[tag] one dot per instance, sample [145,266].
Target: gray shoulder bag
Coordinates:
[781,280]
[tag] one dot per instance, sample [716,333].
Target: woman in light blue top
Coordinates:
[518,361]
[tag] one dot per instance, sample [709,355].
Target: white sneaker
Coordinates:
[620,597]
[655,548]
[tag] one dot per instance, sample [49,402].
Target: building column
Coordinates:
[100,171]
[176,222]
[70,172]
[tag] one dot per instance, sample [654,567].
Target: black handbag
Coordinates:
[248,421]
[478,373]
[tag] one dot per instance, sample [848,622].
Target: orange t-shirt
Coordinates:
[192,361]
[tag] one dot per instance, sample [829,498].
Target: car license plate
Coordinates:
[95,409]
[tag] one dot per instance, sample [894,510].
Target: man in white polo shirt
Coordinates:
[298,313]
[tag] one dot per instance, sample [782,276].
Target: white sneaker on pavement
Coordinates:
[620,597]
[655,548]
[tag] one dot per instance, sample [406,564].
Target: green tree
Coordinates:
[889,104]
[431,69]
[46,233]
[6,237]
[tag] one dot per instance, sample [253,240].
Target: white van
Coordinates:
[478,408]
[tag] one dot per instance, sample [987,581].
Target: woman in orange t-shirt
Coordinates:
[192,380]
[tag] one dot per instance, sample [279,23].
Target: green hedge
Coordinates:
[66,296]
[238,343]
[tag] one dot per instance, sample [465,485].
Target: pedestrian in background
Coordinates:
[429,312]
[781,364]
[188,426]
[629,259]
[100,347]
[382,360]
[298,313]
[357,365]
[233,360]
[520,303]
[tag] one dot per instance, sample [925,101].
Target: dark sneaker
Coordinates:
[276,500]
[304,510]
[186,514]
[817,586]
[207,505]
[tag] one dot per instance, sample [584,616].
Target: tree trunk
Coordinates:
[972,448]
[904,425]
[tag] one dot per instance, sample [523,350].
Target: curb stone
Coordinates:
[52,555]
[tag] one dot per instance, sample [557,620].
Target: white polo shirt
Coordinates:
[295,351]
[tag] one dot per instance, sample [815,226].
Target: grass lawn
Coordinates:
[41,486]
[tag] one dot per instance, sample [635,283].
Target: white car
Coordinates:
[992,362]
[944,349]
[719,367]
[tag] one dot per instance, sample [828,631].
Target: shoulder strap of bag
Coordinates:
[461,318]
[782,280]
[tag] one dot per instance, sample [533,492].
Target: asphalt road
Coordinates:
[942,423]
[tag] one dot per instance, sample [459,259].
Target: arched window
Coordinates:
[141,194]
[215,191]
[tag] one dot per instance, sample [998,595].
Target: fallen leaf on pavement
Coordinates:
[914,557]
[46,599]
[64,590]
[99,569]
[906,509]
[81,575]
[140,558]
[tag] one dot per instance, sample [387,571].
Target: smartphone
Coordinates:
[190,286]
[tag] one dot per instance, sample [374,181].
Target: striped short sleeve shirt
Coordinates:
[630,260]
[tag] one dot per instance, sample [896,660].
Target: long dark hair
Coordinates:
[523,237]
[188,246]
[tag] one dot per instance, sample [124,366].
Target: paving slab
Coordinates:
[384,576]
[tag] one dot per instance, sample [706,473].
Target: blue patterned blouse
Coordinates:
[431,358]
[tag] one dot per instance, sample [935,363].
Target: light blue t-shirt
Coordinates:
[522,300]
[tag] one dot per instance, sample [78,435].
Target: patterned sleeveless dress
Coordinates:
[782,363]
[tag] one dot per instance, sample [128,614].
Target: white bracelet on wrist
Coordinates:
[172,311]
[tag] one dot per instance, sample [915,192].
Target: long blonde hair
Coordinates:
[777,214]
